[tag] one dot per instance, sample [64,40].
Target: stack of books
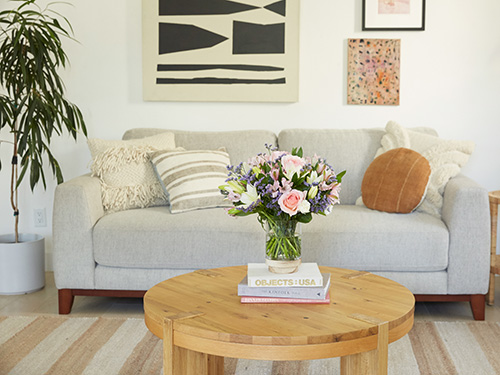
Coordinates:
[307,285]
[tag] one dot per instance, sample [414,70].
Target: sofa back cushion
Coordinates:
[240,145]
[344,149]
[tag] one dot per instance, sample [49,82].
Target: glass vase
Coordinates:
[283,245]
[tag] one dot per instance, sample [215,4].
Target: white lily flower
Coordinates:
[314,178]
[249,197]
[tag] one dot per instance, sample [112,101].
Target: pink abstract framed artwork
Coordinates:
[373,71]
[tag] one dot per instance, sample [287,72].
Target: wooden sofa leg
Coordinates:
[66,298]
[477,303]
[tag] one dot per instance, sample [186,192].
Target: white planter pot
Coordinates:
[22,264]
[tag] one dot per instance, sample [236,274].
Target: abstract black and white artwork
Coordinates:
[221,50]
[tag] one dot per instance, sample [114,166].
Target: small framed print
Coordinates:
[385,15]
[373,71]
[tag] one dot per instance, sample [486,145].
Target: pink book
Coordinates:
[247,299]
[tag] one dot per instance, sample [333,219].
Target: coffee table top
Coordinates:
[205,307]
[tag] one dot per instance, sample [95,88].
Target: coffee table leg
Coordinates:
[372,362]
[188,362]
[361,363]
[180,361]
[215,365]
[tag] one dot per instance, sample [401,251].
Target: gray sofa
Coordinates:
[125,253]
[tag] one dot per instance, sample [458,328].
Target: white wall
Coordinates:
[450,77]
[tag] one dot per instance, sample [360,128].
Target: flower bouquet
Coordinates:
[283,189]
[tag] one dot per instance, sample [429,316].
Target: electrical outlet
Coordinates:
[40,217]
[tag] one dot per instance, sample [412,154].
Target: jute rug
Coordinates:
[64,345]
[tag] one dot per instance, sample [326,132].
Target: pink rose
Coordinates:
[292,202]
[292,164]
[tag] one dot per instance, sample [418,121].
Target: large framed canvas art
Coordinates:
[221,50]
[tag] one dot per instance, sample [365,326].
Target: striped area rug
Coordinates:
[64,345]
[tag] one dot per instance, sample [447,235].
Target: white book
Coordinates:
[308,275]
[319,292]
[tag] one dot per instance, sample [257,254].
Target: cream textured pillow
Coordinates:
[446,158]
[127,176]
[192,178]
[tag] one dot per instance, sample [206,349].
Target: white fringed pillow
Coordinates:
[128,179]
[192,178]
[446,158]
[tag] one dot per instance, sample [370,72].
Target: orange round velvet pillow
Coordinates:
[396,181]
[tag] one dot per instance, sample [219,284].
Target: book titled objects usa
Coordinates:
[247,299]
[308,275]
[319,292]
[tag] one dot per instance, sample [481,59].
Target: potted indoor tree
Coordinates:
[33,109]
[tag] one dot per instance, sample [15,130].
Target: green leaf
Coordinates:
[297,152]
[340,175]
[236,212]
[34,174]
[304,218]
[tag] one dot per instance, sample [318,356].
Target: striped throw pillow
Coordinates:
[191,179]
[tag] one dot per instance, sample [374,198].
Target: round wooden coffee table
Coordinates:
[201,320]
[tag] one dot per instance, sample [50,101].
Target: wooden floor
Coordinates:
[44,302]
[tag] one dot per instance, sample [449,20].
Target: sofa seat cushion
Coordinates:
[352,237]
[358,238]
[155,238]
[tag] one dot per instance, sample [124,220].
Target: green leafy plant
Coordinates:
[33,107]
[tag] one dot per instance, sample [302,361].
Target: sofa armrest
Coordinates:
[77,207]
[467,215]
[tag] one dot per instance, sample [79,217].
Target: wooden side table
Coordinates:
[495,259]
